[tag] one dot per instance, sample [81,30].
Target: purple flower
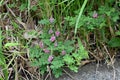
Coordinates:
[95,15]
[52,39]
[55,44]
[46,50]
[57,33]
[50,58]
[51,19]
[41,44]
[50,31]
[63,52]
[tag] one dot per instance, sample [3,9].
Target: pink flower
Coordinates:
[50,58]
[50,31]
[55,44]
[46,50]
[57,33]
[95,15]
[63,52]
[53,38]
[51,19]
[41,44]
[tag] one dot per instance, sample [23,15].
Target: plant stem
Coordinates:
[79,16]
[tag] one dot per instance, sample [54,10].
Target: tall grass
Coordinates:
[2,59]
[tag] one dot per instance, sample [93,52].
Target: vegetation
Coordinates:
[39,38]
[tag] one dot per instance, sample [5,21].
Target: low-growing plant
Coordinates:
[115,41]
[100,22]
[55,53]
[94,19]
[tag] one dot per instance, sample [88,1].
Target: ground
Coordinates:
[93,71]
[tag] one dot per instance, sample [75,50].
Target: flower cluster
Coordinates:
[95,14]
[53,37]
[57,33]
[46,50]
[50,58]
[53,40]
[51,20]
[63,52]
[50,31]
[41,44]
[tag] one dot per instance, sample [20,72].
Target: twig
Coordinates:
[111,58]
[94,56]
[10,72]
[10,11]
[49,73]
[23,24]
[69,75]
[24,70]
[5,2]
[16,69]
[47,76]
[112,62]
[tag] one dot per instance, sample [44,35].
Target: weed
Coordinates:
[56,54]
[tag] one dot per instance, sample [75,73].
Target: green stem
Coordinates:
[79,16]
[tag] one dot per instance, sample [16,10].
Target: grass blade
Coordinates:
[79,16]
[2,59]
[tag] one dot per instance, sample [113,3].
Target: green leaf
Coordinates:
[47,42]
[68,42]
[1,78]
[114,42]
[57,63]
[115,18]
[35,52]
[69,49]
[44,21]
[73,68]
[68,59]
[57,72]
[1,3]
[43,60]
[77,56]
[83,53]
[43,68]
[80,14]
[11,44]
[15,25]
[117,33]
[34,8]
[34,63]
[68,46]
[23,6]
